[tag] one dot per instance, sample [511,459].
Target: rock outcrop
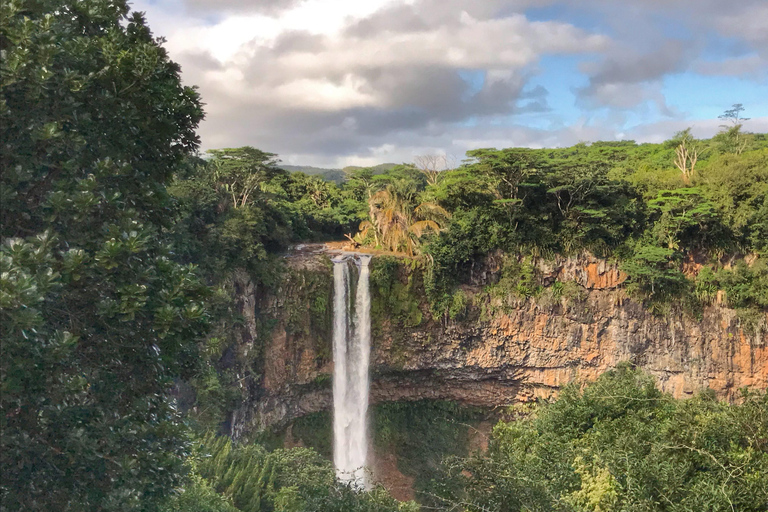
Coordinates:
[496,356]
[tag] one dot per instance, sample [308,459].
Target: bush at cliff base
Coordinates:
[621,444]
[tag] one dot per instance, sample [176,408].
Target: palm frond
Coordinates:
[432,209]
[421,227]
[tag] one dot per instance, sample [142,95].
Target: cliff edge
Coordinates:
[496,348]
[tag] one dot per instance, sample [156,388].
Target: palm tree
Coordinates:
[396,223]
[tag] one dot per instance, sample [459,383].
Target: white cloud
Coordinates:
[288,88]
[350,81]
[324,95]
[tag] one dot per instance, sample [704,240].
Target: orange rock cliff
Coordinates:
[491,356]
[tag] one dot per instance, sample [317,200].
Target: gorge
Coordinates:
[501,351]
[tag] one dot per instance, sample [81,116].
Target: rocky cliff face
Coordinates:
[498,350]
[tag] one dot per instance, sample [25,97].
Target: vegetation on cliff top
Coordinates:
[660,218]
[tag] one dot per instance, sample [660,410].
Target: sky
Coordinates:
[331,83]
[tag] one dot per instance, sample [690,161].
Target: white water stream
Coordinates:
[351,356]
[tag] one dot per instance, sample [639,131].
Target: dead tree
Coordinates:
[432,165]
[686,156]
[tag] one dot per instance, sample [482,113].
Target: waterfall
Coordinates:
[351,356]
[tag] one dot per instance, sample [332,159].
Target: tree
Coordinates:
[653,274]
[233,213]
[397,222]
[240,172]
[686,155]
[620,444]
[685,220]
[738,185]
[732,139]
[295,480]
[431,166]
[507,169]
[361,186]
[97,318]
[733,115]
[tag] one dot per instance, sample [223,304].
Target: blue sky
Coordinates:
[342,82]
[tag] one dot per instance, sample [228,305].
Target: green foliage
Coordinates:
[462,189]
[394,292]
[620,444]
[315,431]
[308,303]
[294,480]
[468,238]
[97,318]
[519,277]
[396,221]
[240,172]
[198,496]
[683,219]
[738,185]
[706,286]
[746,286]
[532,202]
[215,393]
[232,214]
[732,140]
[240,210]
[320,209]
[620,200]
[459,304]
[596,213]
[573,291]
[746,289]
[653,274]
[519,280]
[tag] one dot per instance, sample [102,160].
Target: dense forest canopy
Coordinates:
[620,200]
[120,243]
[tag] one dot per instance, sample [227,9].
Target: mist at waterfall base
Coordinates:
[351,357]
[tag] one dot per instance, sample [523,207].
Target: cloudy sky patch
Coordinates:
[340,82]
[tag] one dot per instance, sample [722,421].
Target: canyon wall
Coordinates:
[495,351]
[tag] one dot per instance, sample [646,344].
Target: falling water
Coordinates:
[340,384]
[351,355]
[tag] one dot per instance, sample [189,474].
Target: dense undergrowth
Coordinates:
[124,254]
[620,444]
[617,444]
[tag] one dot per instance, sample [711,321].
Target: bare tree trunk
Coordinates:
[685,160]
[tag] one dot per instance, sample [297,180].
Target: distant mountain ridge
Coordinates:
[338,176]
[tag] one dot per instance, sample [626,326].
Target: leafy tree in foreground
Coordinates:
[96,317]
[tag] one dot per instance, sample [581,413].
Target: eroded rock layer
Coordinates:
[496,356]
